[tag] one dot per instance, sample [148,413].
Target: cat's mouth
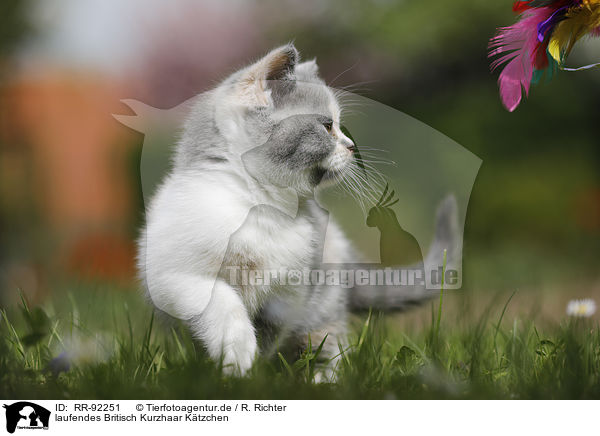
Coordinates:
[325,176]
[331,169]
[331,174]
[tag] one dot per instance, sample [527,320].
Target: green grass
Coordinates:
[458,352]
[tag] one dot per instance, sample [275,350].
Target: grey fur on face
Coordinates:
[297,145]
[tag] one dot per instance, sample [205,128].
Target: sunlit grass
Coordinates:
[124,351]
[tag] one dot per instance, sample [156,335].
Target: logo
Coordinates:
[403,202]
[26,415]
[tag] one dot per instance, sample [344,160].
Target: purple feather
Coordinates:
[553,20]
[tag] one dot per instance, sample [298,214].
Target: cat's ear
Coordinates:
[308,69]
[256,81]
[279,63]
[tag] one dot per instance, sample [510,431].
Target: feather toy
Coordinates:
[540,42]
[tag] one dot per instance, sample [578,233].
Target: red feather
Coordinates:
[521,6]
[540,57]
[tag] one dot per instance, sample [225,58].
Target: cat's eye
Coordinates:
[328,126]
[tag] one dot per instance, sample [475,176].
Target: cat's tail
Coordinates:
[416,284]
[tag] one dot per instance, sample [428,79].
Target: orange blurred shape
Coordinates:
[101,256]
[79,171]
[587,209]
[78,149]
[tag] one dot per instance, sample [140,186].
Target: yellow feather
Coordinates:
[554,49]
[579,21]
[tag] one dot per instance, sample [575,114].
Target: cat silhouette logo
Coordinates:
[26,415]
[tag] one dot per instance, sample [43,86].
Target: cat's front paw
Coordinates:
[239,352]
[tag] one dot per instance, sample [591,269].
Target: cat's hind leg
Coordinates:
[335,341]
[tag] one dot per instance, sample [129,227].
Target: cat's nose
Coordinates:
[347,142]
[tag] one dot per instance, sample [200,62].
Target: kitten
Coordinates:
[240,197]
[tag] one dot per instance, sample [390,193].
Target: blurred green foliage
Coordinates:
[429,59]
[535,202]
[13,25]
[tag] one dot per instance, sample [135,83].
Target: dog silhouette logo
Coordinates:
[26,415]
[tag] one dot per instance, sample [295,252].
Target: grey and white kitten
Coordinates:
[241,195]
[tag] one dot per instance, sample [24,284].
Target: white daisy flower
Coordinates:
[581,308]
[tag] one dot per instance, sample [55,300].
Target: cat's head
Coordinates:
[284,122]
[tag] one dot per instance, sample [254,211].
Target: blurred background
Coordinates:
[70,195]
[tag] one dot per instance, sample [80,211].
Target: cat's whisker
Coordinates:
[345,185]
[369,192]
[355,86]
[367,188]
[370,152]
[368,149]
[350,102]
[371,170]
[355,189]
[351,179]
[371,162]
[342,73]
[346,111]
[375,158]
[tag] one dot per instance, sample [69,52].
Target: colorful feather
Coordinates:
[541,40]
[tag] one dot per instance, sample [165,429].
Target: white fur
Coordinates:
[190,224]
